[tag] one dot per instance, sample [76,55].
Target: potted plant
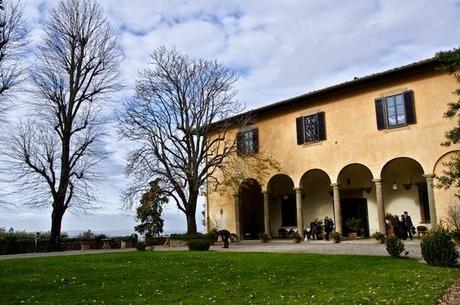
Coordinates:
[379,237]
[353,224]
[86,240]
[297,237]
[265,238]
[335,237]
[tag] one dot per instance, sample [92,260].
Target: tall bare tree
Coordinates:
[169,119]
[55,153]
[13,38]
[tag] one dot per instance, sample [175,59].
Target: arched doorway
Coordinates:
[317,200]
[252,209]
[283,215]
[356,198]
[405,189]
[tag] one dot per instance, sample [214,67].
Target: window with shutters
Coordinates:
[311,128]
[248,141]
[395,110]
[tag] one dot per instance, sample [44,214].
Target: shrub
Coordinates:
[140,246]
[336,236]
[379,236]
[395,246]
[199,244]
[186,236]
[265,238]
[438,249]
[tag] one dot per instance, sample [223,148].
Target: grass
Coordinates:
[221,278]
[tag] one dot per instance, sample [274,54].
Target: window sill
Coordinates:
[319,142]
[396,128]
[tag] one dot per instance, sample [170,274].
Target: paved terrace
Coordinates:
[356,247]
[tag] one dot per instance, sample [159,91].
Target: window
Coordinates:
[248,141]
[395,110]
[311,128]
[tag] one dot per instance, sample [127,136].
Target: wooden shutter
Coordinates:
[409,106]
[300,131]
[255,140]
[380,113]
[239,143]
[321,126]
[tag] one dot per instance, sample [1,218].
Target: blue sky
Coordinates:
[279,48]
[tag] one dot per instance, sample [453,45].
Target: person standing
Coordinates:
[402,227]
[328,226]
[409,224]
[225,234]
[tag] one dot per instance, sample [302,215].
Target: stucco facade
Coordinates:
[355,160]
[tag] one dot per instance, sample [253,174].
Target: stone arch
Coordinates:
[357,197]
[282,203]
[251,208]
[444,197]
[317,202]
[404,188]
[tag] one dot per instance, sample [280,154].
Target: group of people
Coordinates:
[403,227]
[312,231]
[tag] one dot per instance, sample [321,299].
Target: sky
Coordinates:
[279,49]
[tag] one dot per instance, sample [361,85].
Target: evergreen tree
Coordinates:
[150,211]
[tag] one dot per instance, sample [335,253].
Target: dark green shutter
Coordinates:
[380,113]
[239,143]
[255,140]
[300,131]
[321,126]
[409,106]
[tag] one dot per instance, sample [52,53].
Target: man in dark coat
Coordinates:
[328,226]
[409,224]
[225,236]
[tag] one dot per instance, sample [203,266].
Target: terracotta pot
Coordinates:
[352,235]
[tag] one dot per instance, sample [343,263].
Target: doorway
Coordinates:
[357,208]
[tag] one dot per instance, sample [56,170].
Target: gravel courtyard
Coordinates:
[355,247]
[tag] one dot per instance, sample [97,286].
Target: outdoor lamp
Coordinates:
[394,186]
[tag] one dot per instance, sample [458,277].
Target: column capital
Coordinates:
[265,192]
[297,189]
[377,181]
[429,176]
[335,185]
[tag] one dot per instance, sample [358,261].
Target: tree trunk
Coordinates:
[56,222]
[191,223]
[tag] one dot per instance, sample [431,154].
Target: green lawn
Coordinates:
[220,278]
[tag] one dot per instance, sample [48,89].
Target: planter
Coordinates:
[85,245]
[352,235]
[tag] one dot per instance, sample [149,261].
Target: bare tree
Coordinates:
[54,154]
[13,38]
[170,121]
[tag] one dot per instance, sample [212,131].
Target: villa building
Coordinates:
[359,149]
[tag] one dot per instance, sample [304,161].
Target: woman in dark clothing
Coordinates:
[395,225]
[402,228]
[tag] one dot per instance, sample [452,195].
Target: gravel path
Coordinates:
[356,247]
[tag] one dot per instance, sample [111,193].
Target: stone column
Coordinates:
[431,201]
[236,198]
[380,206]
[299,210]
[337,208]
[266,212]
